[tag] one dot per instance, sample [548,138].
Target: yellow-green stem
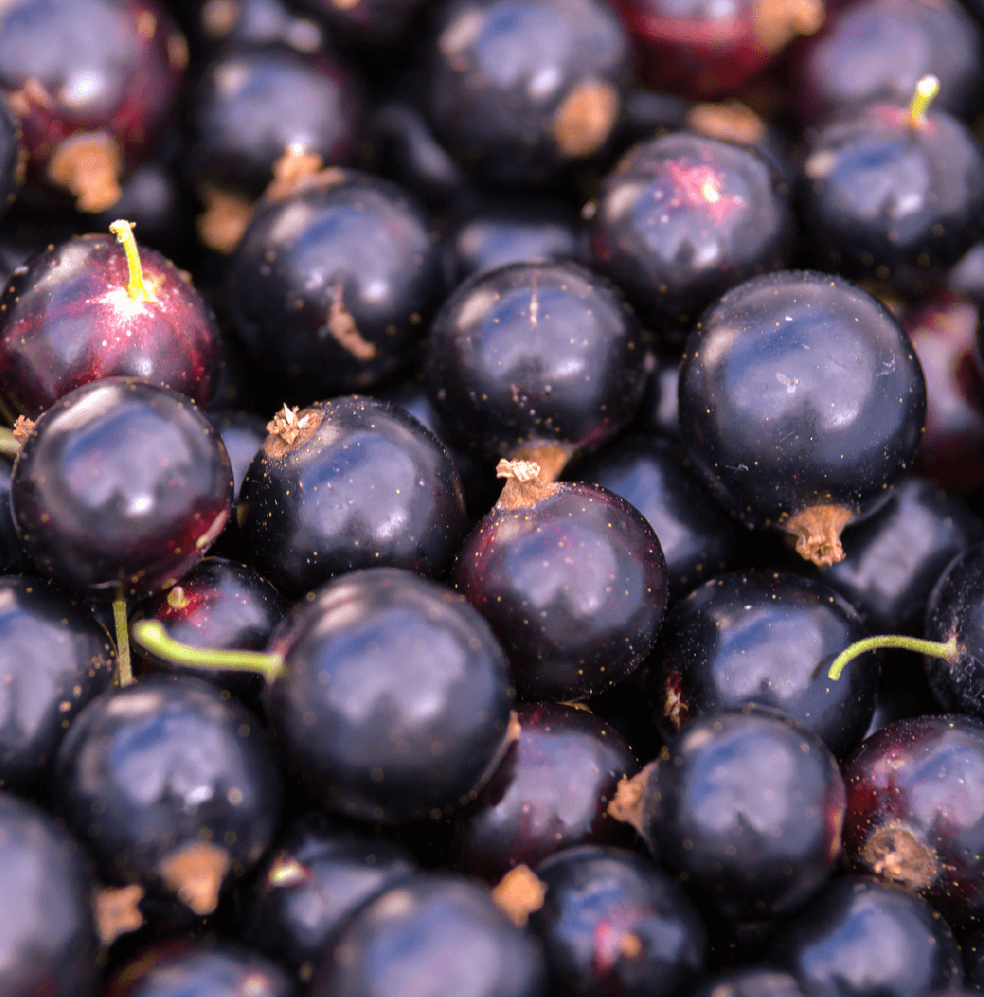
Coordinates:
[9,446]
[137,288]
[934,648]
[152,637]
[124,670]
[926,90]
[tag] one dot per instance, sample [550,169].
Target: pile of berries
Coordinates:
[491,498]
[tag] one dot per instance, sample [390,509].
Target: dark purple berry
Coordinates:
[572,580]
[432,928]
[394,699]
[318,875]
[612,922]
[171,786]
[550,792]
[120,485]
[865,938]
[48,941]
[76,313]
[349,483]
[801,400]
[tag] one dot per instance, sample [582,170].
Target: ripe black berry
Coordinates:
[801,400]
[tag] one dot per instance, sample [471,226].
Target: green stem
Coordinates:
[926,90]
[152,637]
[9,446]
[935,648]
[137,288]
[124,670]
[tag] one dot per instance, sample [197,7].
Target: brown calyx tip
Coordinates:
[729,121]
[292,171]
[88,166]
[524,484]
[898,855]
[342,328]
[778,22]
[552,457]
[225,218]
[630,796]
[23,427]
[585,117]
[196,873]
[817,530]
[289,428]
[518,894]
[117,911]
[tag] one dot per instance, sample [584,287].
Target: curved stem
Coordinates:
[124,670]
[926,90]
[934,648]
[152,637]
[9,446]
[137,288]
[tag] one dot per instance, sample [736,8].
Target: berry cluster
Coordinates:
[491,498]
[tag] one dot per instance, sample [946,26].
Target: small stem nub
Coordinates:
[934,648]
[137,288]
[152,637]
[926,90]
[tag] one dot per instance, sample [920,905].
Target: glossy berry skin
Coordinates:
[756,980]
[48,941]
[54,657]
[863,937]
[912,817]
[120,485]
[799,388]
[682,218]
[151,773]
[893,559]
[219,605]
[574,586]
[878,50]
[430,726]
[956,609]
[11,559]
[318,875]
[762,637]
[183,967]
[109,69]
[943,329]
[652,474]
[516,93]
[432,928]
[243,433]
[512,230]
[372,22]
[66,319]
[550,792]
[535,354]
[330,286]
[702,50]
[749,806]
[252,102]
[612,922]
[365,485]
[11,157]
[884,198]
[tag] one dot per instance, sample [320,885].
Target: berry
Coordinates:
[346,484]
[801,401]
[89,309]
[120,485]
[572,580]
